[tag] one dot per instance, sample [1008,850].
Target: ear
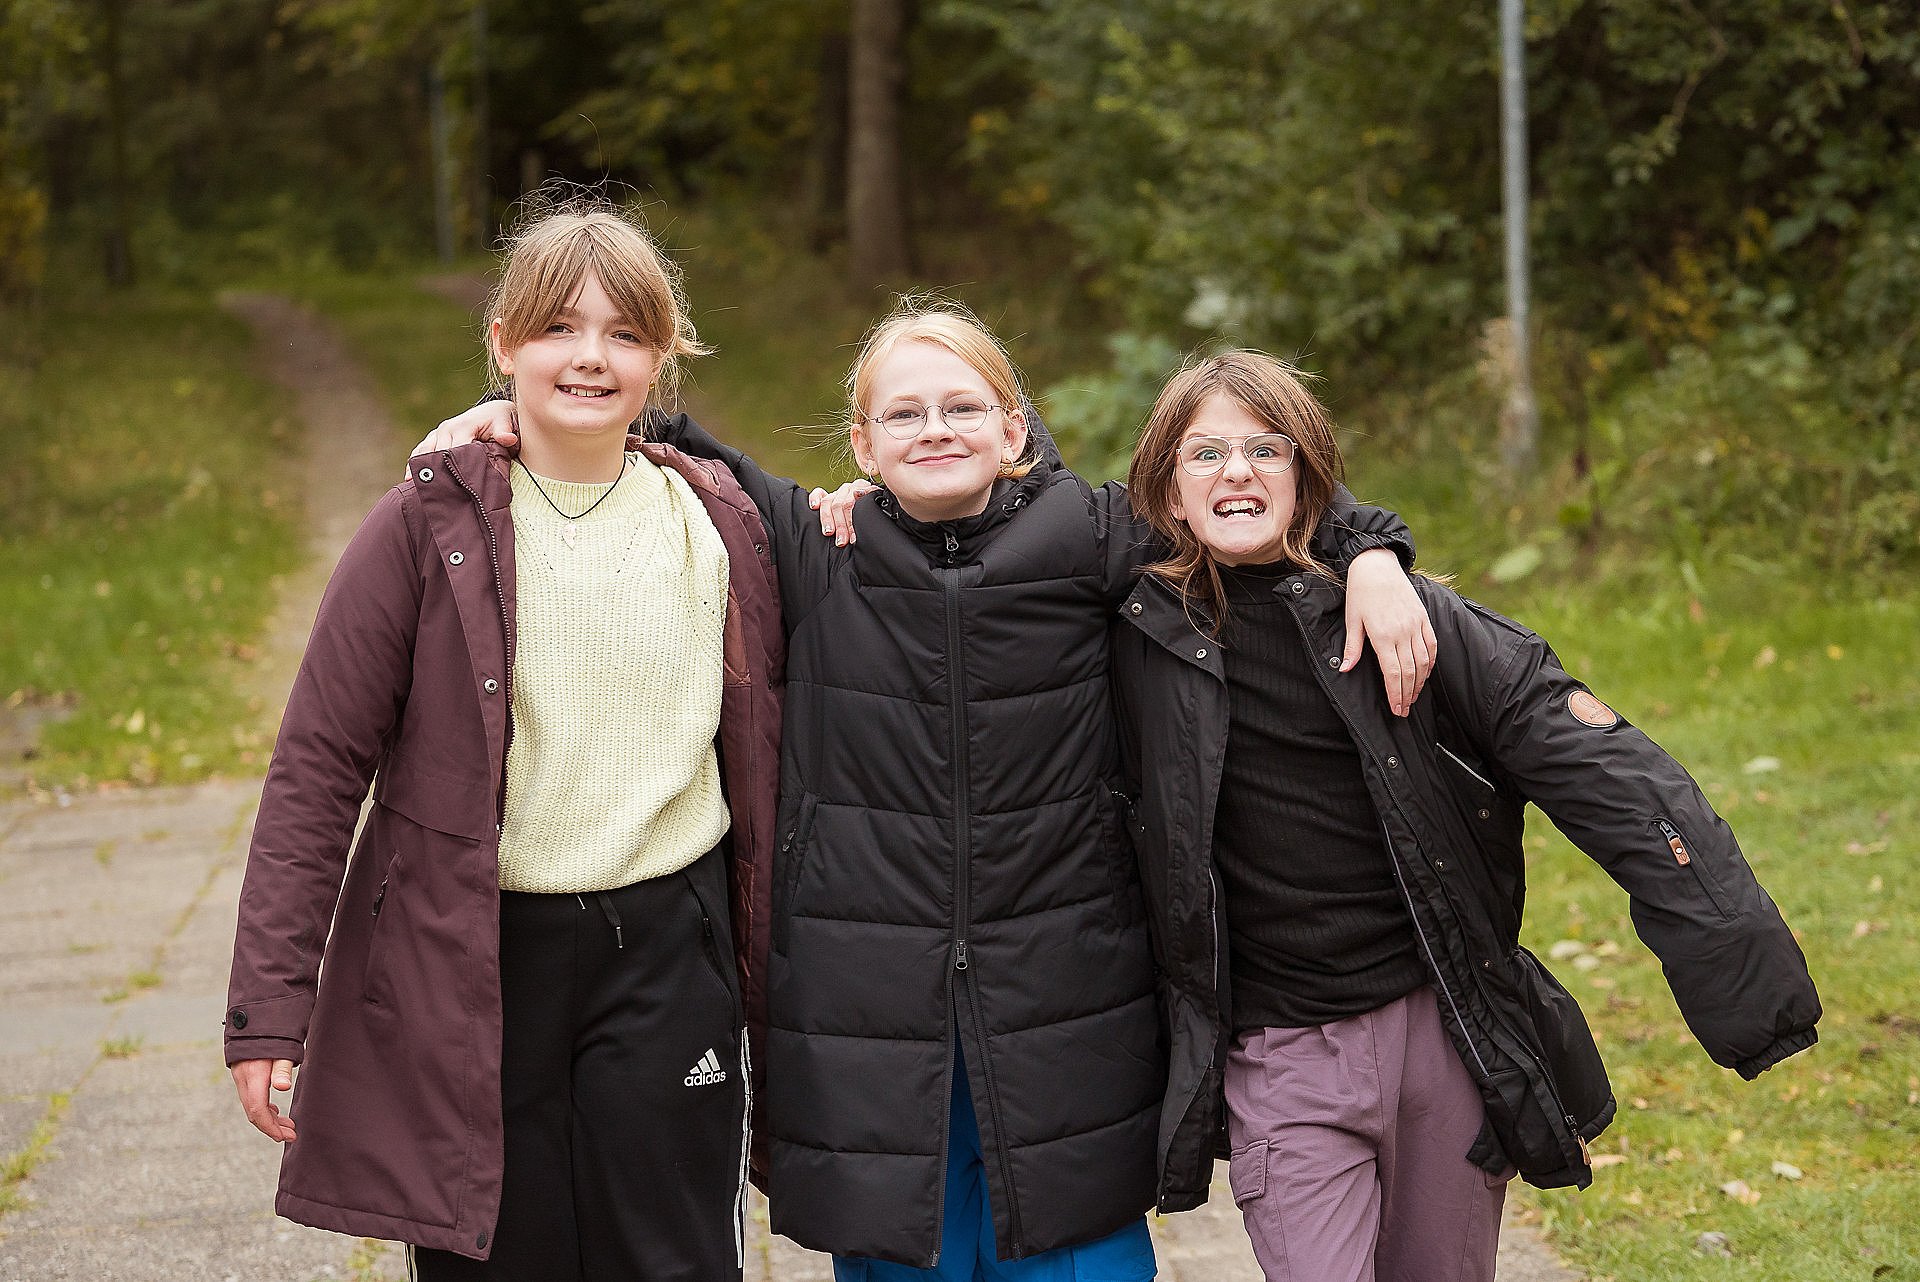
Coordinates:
[501,357]
[863,456]
[1178,508]
[1016,434]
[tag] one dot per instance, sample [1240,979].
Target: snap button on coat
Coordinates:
[455,558]
[490,685]
[237,1018]
[426,474]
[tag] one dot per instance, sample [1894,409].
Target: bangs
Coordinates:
[542,279]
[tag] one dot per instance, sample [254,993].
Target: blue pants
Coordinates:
[966,1244]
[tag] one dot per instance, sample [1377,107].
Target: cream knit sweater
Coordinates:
[612,776]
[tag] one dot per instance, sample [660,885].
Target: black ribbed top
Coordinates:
[1317,930]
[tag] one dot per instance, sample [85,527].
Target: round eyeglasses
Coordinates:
[1268,452]
[903,422]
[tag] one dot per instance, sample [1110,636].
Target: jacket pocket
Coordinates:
[1546,1149]
[789,864]
[375,987]
[1564,1040]
[1688,856]
[1115,813]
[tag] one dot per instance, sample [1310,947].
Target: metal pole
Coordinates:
[1520,425]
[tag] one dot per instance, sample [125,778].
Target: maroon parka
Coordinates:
[406,682]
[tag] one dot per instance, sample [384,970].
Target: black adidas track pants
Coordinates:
[624,1088]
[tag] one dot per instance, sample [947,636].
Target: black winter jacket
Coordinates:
[954,863]
[1500,724]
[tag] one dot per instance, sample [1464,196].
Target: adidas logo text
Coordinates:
[705,1073]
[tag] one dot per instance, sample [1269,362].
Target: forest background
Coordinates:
[1720,529]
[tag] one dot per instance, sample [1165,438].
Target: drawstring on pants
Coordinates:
[609,912]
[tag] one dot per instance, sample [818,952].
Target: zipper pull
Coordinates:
[1585,1155]
[1679,847]
[379,899]
[953,543]
[960,954]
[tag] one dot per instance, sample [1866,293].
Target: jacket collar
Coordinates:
[1010,494]
[1157,610]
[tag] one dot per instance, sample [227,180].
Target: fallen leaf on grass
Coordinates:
[1787,1171]
[1767,657]
[1863,928]
[1740,1192]
[1607,1159]
[1713,1244]
[1761,766]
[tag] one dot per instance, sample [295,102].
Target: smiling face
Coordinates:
[938,473]
[585,375]
[1240,514]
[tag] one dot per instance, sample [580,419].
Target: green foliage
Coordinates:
[145,516]
[1327,171]
[698,94]
[1096,417]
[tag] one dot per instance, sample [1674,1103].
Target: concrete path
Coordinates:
[116,927]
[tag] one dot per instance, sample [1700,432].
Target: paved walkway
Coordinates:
[116,927]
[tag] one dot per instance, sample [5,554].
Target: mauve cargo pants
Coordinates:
[1349,1151]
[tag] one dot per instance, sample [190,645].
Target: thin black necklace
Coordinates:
[567,531]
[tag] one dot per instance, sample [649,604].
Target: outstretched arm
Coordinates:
[1737,973]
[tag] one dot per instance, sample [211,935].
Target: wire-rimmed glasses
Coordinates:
[1268,452]
[903,421]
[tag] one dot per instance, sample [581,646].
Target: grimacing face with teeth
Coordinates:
[1239,514]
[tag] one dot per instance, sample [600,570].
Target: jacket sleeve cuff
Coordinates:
[1792,1044]
[1341,555]
[275,1028]
[239,1048]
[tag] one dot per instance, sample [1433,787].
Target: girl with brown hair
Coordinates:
[519,1023]
[1337,891]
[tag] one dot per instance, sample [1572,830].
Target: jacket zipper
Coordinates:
[506,632]
[963,876]
[1683,856]
[1406,893]
[1464,766]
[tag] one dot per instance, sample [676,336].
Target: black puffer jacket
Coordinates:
[955,863]
[1500,724]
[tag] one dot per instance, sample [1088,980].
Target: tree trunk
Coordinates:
[876,191]
[119,237]
[827,164]
[441,142]
[481,192]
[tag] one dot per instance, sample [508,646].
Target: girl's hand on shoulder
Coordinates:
[252,1078]
[1383,608]
[836,509]
[487,421]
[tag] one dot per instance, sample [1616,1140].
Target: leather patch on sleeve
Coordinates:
[1585,707]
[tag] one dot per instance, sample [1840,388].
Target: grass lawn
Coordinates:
[1799,717]
[147,507]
